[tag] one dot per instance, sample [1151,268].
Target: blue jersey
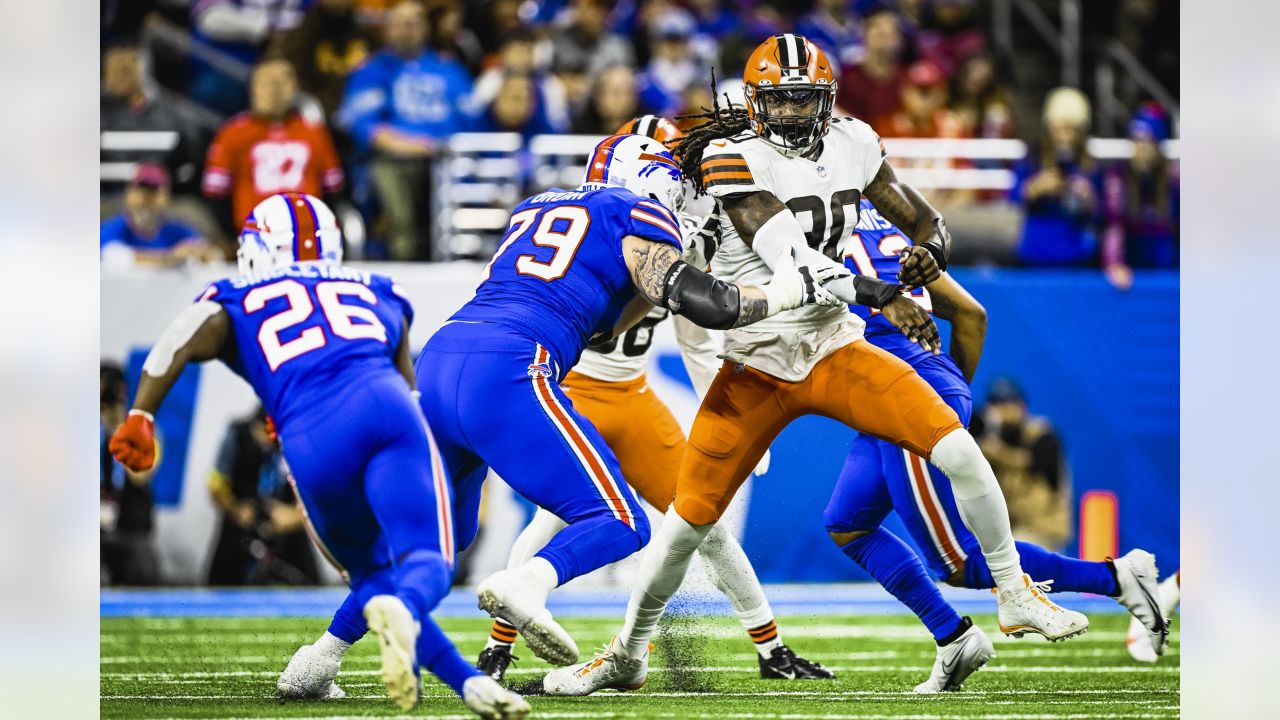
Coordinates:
[168,235]
[559,276]
[873,251]
[301,331]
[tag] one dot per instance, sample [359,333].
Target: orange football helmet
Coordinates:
[654,126]
[791,91]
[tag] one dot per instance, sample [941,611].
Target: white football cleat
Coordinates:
[491,701]
[1139,593]
[397,634]
[1029,609]
[501,597]
[309,676]
[1138,640]
[607,670]
[957,660]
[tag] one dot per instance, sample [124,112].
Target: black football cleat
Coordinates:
[494,661]
[784,664]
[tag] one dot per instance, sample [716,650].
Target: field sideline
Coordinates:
[704,667]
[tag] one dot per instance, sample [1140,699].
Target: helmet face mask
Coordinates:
[793,118]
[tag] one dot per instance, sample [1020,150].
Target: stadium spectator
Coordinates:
[1140,203]
[1026,456]
[924,112]
[869,90]
[496,20]
[614,100]
[239,30]
[1057,188]
[949,34]
[450,38]
[131,102]
[325,47]
[832,26]
[516,109]
[399,107]
[980,102]
[127,511]
[713,18]
[673,66]
[585,47]
[517,57]
[144,235]
[270,149]
[261,538]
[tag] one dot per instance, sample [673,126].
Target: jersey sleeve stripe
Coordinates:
[720,160]
[662,211]
[739,177]
[657,222]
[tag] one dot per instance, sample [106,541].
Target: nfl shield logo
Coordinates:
[822,171]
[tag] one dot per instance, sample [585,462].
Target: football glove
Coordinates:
[134,442]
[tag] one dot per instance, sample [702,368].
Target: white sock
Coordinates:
[332,645]
[981,504]
[732,573]
[538,577]
[534,537]
[662,569]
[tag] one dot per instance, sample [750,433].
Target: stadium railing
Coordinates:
[480,176]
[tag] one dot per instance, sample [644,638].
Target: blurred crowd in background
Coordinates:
[209,106]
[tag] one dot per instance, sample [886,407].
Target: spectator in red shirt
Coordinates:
[924,111]
[869,90]
[269,149]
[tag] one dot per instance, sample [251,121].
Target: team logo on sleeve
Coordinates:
[542,369]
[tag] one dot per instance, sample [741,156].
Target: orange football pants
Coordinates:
[860,385]
[638,427]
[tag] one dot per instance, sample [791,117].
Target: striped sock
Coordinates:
[502,633]
[766,638]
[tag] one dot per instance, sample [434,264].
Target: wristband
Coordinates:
[150,418]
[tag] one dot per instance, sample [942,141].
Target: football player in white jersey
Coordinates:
[786,175]
[609,387]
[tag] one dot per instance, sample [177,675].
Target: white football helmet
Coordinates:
[288,228]
[640,164]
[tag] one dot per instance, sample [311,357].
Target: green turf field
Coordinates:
[703,668]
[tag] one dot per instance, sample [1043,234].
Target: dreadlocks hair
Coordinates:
[721,122]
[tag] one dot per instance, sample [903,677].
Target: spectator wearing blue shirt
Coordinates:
[142,235]
[673,66]
[1057,187]
[399,107]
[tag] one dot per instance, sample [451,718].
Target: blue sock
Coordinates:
[422,581]
[437,654]
[899,570]
[1068,574]
[348,623]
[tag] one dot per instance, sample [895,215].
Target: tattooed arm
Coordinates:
[905,207]
[665,280]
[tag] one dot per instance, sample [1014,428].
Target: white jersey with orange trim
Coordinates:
[823,194]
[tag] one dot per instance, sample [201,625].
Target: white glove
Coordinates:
[762,467]
[792,287]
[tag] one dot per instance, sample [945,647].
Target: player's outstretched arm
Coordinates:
[769,228]
[200,333]
[905,207]
[667,281]
[968,322]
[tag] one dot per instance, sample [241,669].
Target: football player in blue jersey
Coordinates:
[326,349]
[576,267]
[879,477]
